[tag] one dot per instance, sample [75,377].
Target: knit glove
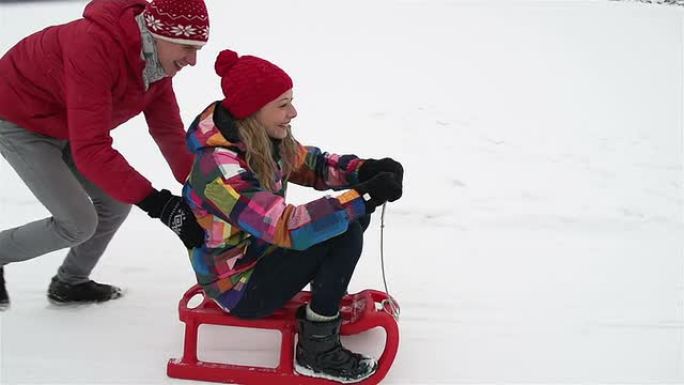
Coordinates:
[372,167]
[383,187]
[176,215]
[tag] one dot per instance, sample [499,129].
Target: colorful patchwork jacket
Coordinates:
[244,221]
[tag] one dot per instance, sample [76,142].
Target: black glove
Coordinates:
[384,187]
[176,215]
[372,167]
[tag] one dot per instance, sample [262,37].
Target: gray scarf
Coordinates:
[153,69]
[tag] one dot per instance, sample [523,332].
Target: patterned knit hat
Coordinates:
[178,21]
[249,83]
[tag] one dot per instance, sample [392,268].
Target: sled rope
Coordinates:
[393,308]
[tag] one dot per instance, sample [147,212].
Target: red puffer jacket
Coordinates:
[80,80]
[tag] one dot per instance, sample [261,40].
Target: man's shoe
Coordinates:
[62,293]
[4,298]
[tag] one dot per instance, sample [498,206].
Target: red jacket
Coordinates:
[79,81]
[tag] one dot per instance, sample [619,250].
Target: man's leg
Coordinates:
[111,213]
[37,160]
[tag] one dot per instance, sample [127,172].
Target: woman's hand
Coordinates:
[372,167]
[383,187]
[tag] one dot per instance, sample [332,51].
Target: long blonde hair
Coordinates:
[260,152]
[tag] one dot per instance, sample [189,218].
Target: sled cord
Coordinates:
[393,308]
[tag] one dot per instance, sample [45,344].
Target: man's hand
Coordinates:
[176,215]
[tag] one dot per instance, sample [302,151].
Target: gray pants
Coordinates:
[84,217]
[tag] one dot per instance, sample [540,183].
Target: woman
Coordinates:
[259,251]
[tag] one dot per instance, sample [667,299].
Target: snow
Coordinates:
[539,239]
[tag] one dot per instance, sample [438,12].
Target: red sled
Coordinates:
[360,312]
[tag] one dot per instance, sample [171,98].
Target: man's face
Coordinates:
[173,57]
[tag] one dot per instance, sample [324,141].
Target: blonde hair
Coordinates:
[260,152]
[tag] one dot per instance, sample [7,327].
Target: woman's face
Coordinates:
[276,115]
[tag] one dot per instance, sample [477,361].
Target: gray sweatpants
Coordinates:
[84,217]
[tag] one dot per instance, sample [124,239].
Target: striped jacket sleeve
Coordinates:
[233,194]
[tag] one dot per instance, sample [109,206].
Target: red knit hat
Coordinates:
[178,21]
[249,83]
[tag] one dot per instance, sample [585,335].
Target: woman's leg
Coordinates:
[319,352]
[330,283]
[330,265]
[280,275]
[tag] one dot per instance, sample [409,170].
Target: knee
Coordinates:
[79,226]
[355,231]
[352,239]
[364,221]
[356,237]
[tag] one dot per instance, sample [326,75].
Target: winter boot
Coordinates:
[62,293]
[4,298]
[320,353]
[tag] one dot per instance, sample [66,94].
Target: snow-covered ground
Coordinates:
[540,236]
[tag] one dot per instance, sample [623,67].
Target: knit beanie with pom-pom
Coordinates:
[249,82]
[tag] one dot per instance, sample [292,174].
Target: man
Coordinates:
[62,90]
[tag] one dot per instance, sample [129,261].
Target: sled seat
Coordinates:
[360,312]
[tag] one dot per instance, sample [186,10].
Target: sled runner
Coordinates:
[360,312]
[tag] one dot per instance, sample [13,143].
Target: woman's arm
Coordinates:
[324,171]
[220,185]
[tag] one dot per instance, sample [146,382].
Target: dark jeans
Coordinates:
[328,266]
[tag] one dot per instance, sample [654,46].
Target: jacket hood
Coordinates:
[117,17]
[214,127]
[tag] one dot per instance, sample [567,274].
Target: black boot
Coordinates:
[62,293]
[320,353]
[4,298]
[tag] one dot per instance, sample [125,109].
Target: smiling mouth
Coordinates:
[178,66]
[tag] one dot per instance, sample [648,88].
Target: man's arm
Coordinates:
[167,130]
[88,81]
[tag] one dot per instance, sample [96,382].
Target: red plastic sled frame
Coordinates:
[360,312]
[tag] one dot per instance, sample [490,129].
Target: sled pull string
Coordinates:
[389,304]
